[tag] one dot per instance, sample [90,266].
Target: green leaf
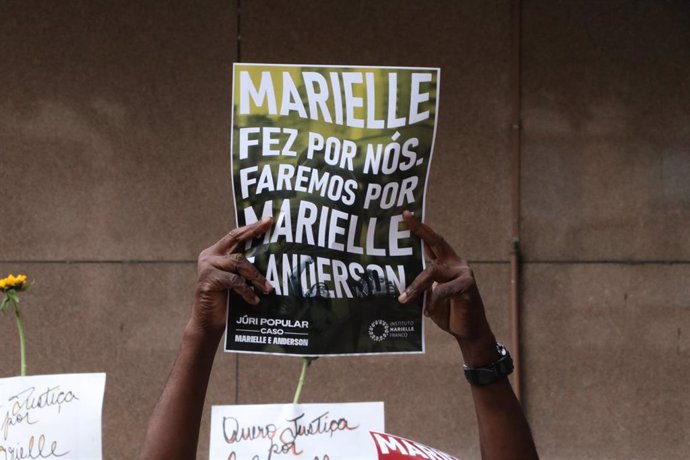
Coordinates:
[5,302]
[12,294]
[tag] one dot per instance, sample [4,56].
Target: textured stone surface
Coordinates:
[469,183]
[607,351]
[426,397]
[606,130]
[114,126]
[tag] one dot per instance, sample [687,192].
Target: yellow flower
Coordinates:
[12,281]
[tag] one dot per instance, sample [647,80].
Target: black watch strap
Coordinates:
[492,372]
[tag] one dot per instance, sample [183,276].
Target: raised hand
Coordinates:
[223,267]
[453,299]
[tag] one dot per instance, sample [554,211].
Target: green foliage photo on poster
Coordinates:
[334,155]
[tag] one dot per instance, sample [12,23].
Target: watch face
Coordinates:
[502,350]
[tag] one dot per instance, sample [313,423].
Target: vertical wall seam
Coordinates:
[238,58]
[516,140]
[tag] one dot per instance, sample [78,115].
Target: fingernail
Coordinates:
[403,297]
[256,300]
[265,220]
[268,287]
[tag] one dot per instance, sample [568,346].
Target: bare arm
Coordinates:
[173,430]
[454,304]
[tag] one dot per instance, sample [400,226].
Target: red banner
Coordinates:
[391,447]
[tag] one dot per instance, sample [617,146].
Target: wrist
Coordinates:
[479,350]
[208,314]
[201,336]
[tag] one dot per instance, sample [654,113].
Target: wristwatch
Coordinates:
[492,372]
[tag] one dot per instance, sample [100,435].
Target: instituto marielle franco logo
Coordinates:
[378,330]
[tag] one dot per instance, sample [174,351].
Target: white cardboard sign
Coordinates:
[295,431]
[345,431]
[51,416]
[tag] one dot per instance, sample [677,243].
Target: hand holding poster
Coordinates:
[51,416]
[334,155]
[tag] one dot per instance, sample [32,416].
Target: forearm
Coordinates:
[503,430]
[453,302]
[173,430]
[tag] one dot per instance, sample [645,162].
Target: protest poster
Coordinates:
[51,416]
[294,431]
[334,155]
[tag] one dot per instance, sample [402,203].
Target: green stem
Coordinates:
[306,362]
[22,338]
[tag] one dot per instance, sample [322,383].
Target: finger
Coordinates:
[237,263]
[422,282]
[411,221]
[235,282]
[433,240]
[454,287]
[429,301]
[432,300]
[429,251]
[231,241]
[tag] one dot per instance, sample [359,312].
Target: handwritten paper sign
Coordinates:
[334,155]
[51,416]
[295,431]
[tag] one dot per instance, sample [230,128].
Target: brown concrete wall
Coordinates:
[605,227]
[114,148]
